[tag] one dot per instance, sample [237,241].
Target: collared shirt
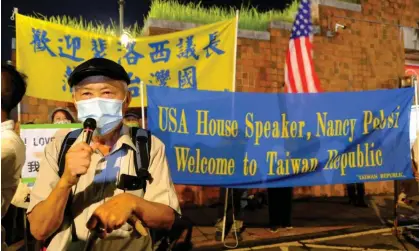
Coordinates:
[98,185]
[12,160]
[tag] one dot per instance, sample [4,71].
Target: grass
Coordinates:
[97,27]
[249,17]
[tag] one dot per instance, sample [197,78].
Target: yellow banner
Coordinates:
[200,58]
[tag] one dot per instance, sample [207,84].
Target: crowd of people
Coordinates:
[82,192]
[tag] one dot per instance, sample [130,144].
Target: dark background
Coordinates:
[100,10]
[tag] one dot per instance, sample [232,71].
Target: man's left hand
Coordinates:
[112,214]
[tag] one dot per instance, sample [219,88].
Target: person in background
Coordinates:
[13,88]
[280,208]
[415,159]
[62,116]
[409,197]
[356,194]
[132,120]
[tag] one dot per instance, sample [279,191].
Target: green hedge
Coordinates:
[250,18]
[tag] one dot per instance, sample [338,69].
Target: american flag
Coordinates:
[300,75]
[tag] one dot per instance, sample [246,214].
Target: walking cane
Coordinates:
[94,234]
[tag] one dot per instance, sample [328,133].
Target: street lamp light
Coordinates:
[124,36]
[125,39]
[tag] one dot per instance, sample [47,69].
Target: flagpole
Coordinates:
[142,105]
[233,88]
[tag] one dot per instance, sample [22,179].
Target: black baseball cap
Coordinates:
[96,67]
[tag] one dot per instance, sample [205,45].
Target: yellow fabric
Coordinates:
[48,52]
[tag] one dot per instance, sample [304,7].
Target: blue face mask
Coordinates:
[106,112]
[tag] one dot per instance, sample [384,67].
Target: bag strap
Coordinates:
[142,140]
[68,142]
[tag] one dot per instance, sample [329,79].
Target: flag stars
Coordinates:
[302,24]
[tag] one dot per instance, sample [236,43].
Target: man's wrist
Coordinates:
[136,204]
[64,184]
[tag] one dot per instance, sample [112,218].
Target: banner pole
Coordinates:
[14,12]
[19,109]
[235,52]
[417,116]
[142,105]
[233,90]
[417,108]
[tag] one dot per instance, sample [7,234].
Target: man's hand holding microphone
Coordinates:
[78,157]
[77,162]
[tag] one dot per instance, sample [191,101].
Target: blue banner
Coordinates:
[263,140]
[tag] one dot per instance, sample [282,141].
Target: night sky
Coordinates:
[100,10]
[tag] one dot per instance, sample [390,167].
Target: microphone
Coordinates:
[89,126]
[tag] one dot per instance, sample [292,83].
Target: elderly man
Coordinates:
[92,171]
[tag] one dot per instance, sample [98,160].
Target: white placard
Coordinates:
[36,137]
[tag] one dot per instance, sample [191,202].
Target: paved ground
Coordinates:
[316,222]
[312,218]
[382,239]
